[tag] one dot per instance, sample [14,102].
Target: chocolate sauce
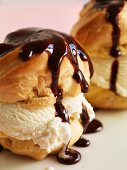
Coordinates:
[82,142]
[1,148]
[114,72]
[71,157]
[85,57]
[58,45]
[60,109]
[5,48]
[112,16]
[94,126]
[89,127]
[85,120]
[113,8]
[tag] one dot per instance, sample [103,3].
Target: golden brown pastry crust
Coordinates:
[28,148]
[105,99]
[30,81]
[94,33]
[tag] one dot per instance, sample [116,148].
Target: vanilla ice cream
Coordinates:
[41,125]
[102,74]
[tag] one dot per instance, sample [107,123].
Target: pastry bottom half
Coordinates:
[28,148]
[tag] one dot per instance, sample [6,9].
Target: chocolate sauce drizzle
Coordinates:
[113,8]
[1,148]
[115,67]
[5,48]
[94,126]
[112,16]
[82,142]
[85,120]
[72,157]
[89,127]
[58,45]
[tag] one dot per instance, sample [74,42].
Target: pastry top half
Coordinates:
[102,31]
[37,64]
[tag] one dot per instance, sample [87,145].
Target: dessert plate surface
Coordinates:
[108,149]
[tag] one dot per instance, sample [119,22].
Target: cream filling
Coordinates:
[102,74]
[41,125]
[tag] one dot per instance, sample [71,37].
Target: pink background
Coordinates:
[60,15]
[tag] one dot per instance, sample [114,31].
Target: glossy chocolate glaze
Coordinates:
[1,148]
[82,142]
[113,8]
[5,48]
[114,73]
[89,127]
[112,16]
[72,157]
[85,120]
[94,126]
[57,45]
[85,58]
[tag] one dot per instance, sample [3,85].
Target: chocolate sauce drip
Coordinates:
[112,16]
[5,48]
[1,148]
[94,126]
[114,72]
[78,76]
[85,57]
[82,142]
[60,109]
[58,45]
[113,8]
[85,120]
[72,157]
[89,127]
[101,4]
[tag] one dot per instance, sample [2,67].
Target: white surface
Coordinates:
[108,149]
